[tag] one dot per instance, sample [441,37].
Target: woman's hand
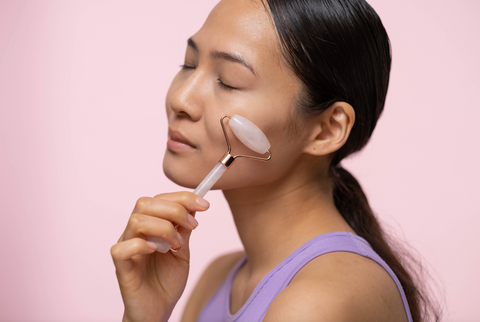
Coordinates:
[151,282]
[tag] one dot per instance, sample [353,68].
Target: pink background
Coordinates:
[82,135]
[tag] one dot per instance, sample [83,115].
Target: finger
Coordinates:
[171,211]
[187,199]
[141,225]
[185,235]
[174,207]
[123,252]
[141,203]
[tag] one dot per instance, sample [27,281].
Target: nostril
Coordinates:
[183,114]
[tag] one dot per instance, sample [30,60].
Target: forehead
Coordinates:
[242,26]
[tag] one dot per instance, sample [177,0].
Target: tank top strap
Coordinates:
[218,308]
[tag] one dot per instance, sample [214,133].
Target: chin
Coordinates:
[180,173]
[180,178]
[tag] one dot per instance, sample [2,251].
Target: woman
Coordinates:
[313,75]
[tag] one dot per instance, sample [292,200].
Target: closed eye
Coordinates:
[186,67]
[219,81]
[225,86]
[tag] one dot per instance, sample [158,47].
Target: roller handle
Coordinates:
[162,245]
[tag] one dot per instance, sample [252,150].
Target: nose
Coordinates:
[186,99]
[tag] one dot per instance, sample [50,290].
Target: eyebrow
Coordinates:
[215,54]
[192,44]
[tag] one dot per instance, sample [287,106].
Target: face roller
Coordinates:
[251,136]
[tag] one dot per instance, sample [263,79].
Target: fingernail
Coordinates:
[152,245]
[202,202]
[192,221]
[180,239]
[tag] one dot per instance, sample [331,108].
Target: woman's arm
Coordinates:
[340,287]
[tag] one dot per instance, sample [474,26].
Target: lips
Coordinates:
[178,142]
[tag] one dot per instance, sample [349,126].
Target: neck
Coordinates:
[275,219]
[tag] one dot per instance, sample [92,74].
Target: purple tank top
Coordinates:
[218,307]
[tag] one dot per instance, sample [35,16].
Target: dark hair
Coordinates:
[340,50]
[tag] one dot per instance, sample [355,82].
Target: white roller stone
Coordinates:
[249,134]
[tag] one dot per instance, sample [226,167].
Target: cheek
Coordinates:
[249,173]
[286,156]
[269,112]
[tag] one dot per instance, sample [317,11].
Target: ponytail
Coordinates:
[353,205]
[340,51]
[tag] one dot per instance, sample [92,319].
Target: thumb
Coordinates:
[185,235]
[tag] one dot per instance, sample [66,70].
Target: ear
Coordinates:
[331,129]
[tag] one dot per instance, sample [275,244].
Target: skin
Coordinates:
[286,201]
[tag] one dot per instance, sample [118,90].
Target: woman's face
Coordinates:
[233,65]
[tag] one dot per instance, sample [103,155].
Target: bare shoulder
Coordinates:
[210,281]
[340,287]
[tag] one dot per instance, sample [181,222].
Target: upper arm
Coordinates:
[207,285]
[310,306]
[339,287]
